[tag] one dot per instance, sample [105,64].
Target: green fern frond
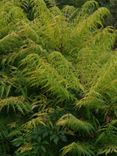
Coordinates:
[78,149]
[108,134]
[68,11]
[104,90]
[43,75]
[93,22]
[96,53]
[36,10]
[16,14]
[16,104]
[14,58]
[108,150]
[37,119]
[107,139]
[84,30]
[40,10]
[55,11]
[31,61]
[5,85]
[26,31]
[108,36]
[65,69]
[70,121]
[10,42]
[97,18]
[94,101]
[86,10]
[56,34]
[25,148]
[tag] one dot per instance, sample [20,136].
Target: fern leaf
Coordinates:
[10,42]
[37,119]
[25,148]
[110,149]
[16,104]
[104,90]
[65,69]
[95,55]
[46,77]
[77,149]
[68,11]
[70,121]
[86,10]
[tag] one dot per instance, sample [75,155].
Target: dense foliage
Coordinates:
[58,79]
